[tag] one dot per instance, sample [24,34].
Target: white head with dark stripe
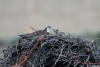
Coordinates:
[48,29]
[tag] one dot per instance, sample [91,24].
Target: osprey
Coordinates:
[49,30]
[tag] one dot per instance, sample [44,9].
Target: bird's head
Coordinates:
[49,27]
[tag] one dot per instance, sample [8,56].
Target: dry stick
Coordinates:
[33,29]
[26,57]
[76,60]
[95,40]
[59,56]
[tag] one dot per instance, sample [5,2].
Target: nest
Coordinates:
[44,49]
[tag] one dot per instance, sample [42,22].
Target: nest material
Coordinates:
[42,49]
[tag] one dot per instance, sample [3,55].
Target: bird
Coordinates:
[58,33]
[49,30]
[62,34]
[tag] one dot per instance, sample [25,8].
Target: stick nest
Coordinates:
[43,49]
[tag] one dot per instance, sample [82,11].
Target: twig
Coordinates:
[59,56]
